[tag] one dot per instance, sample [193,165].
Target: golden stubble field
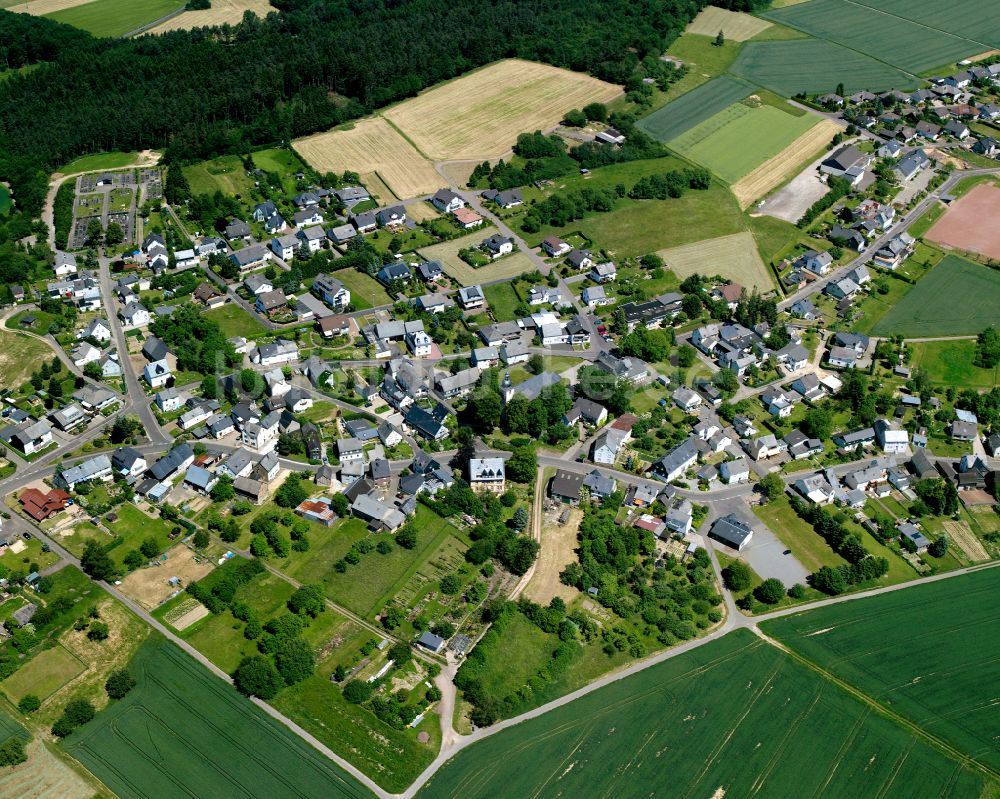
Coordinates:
[222,12]
[473,118]
[372,146]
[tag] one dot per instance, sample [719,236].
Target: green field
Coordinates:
[114,17]
[98,161]
[225,174]
[366,292]
[46,673]
[184,732]
[738,139]
[929,653]
[735,717]
[956,298]
[234,321]
[503,300]
[366,587]
[950,363]
[814,65]
[960,17]
[688,110]
[892,39]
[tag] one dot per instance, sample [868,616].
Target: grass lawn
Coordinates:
[234,321]
[951,363]
[225,173]
[806,544]
[639,227]
[20,355]
[733,142]
[98,161]
[502,299]
[957,297]
[366,292]
[112,18]
[31,554]
[284,162]
[526,648]
[44,674]
[367,586]
[220,637]
[134,526]
[773,236]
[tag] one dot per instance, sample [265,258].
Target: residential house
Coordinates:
[285,247]
[595,296]
[497,246]
[271,301]
[675,462]
[734,471]
[209,296]
[446,201]
[331,291]
[587,411]
[97,468]
[393,272]
[157,373]
[911,164]
[848,162]
[487,475]
[133,315]
[307,217]
[467,219]
[458,384]
[603,273]
[471,297]
[890,437]
[251,257]
[581,259]
[237,229]
[391,216]
[555,247]
[565,486]
[687,400]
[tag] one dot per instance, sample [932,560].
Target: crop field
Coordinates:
[950,363]
[893,39]
[114,17]
[735,717]
[956,298]
[779,168]
[222,12]
[693,108]
[481,114]
[972,18]
[19,354]
[735,26]
[740,138]
[733,256]
[43,776]
[372,146]
[183,732]
[39,8]
[815,65]
[447,253]
[962,226]
[943,679]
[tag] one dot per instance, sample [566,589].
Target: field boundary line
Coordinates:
[938,743]
[408,140]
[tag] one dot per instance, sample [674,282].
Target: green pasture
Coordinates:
[734,716]
[957,297]
[183,732]
[815,65]
[738,139]
[894,39]
[928,653]
[112,18]
[950,363]
[699,104]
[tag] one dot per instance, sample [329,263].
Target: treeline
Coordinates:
[861,565]
[62,210]
[317,64]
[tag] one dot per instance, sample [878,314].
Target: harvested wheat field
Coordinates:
[481,114]
[222,12]
[150,587]
[777,169]
[734,257]
[961,535]
[39,7]
[371,146]
[962,225]
[43,776]
[735,26]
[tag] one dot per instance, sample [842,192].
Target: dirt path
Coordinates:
[536,530]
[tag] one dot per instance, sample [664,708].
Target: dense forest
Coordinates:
[314,65]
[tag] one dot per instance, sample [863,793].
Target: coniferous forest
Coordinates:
[309,66]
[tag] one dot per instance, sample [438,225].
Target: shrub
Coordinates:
[29,703]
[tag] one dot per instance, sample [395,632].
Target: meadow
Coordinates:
[366,291]
[942,680]
[447,253]
[957,297]
[372,146]
[235,321]
[734,717]
[480,115]
[183,732]
[734,257]
[20,355]
[112,18]
[693,108]
[735,26]
[225,174]
[735,141]
[92,163]
[503,299]
[815,65]
[950,363]
[894,39]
